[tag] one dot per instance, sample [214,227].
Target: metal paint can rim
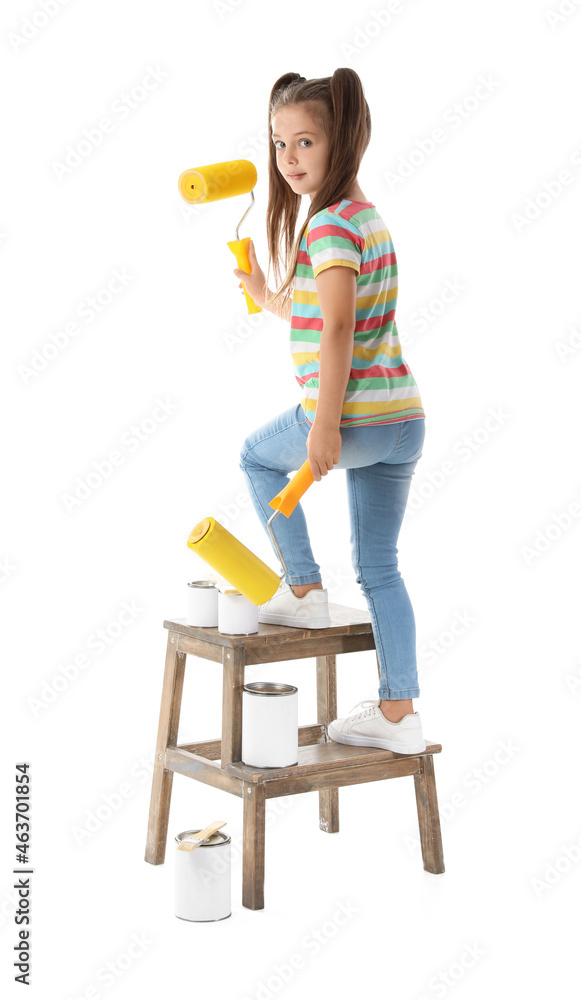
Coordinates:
[270,688]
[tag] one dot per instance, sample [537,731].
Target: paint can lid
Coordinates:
[202,583]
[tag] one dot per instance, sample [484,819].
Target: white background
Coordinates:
[488,540]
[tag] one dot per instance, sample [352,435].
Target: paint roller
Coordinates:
[210,539]
[224,180]
[237,564]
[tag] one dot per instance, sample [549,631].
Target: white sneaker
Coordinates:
[370,728]
[285,608]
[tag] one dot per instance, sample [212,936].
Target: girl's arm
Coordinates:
[337,292]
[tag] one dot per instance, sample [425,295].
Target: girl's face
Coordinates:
[301,149]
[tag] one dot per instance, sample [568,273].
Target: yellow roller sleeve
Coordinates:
[232,560]
[217,180]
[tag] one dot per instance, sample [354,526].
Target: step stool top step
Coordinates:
[345,621]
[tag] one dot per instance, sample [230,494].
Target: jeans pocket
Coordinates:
[412,438]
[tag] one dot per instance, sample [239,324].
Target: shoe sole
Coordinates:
[273,619]
[369,741]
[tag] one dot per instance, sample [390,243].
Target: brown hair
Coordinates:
[338,105]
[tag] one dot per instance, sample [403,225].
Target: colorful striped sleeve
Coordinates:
[331,241]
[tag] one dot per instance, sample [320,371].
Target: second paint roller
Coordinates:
[224,180]
[237,564]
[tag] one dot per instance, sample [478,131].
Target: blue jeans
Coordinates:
[380,462]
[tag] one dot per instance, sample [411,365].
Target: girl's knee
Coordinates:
[244,452]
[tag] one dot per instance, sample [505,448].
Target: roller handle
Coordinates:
[240,250]
[287,499]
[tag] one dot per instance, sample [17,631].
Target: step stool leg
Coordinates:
[232,690]
[428,816]
[253,845]
[326,713]
[167,735]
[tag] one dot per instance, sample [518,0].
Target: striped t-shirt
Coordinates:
[381,388]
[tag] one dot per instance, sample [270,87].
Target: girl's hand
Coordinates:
[255,282]
[324,449]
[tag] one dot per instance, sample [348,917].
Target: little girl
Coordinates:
[360,409]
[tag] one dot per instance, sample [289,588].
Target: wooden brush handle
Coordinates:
[190,845]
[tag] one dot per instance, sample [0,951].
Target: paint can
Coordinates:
[202,606]
[236,614]
[203,878]
[270,724]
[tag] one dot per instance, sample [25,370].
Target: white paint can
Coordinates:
[236,614]
[202,607]
[270,724]
[203,878]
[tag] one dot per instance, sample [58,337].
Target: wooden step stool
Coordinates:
[323,764]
